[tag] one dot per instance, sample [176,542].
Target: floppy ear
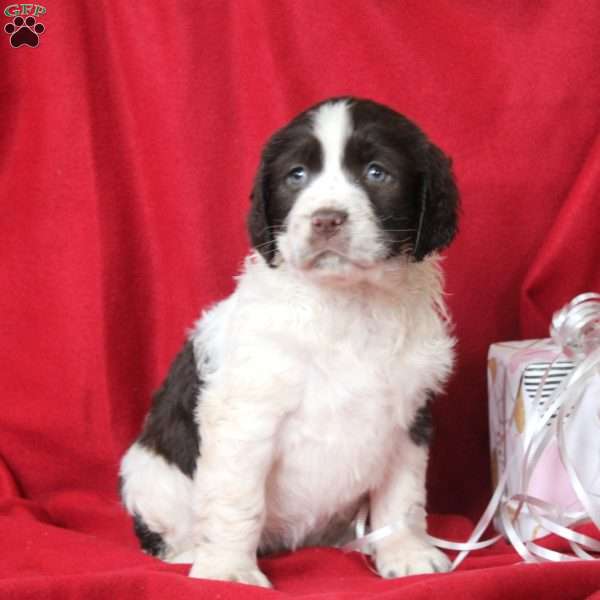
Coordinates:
[261,234]
[438,213]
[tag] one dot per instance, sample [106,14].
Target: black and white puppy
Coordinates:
[305,393]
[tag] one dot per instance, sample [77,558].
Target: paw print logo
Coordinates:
[24,32]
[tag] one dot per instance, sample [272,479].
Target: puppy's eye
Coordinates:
[297,177]
[375,173]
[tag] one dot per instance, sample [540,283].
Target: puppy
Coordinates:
[306,393]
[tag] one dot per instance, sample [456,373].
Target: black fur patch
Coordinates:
[418,204]
[170,428]
[421,429]
[151,543]
[272,199]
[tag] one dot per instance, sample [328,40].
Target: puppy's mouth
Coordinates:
[330,259]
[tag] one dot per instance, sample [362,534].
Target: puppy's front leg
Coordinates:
[401,500]
[229,488]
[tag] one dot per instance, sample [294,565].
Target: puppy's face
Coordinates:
[348,185]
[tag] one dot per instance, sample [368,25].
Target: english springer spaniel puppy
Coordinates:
[306,393]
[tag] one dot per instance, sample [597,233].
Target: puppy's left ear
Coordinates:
[438,212]
[259,230]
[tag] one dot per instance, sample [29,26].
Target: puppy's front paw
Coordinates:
[410,558]
[243,573]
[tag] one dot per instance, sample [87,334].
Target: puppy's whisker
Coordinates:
[396,218]
[264,245]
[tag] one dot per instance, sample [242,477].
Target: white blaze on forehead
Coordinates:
[332,127]
[359,243]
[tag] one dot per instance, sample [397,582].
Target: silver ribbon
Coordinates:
[575,329]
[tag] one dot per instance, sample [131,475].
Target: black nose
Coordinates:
[327,222]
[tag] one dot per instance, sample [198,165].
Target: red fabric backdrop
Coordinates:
[128,144]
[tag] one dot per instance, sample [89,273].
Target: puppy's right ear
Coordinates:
[259,228]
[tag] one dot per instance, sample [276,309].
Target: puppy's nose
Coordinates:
[327,222]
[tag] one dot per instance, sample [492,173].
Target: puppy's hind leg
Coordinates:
[182,558]
[158,497]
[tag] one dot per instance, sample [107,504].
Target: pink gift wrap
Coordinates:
[515,371]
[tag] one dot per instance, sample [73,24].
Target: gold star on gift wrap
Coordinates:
[492,368]
[519,412]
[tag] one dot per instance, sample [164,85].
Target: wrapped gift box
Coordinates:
[515,372]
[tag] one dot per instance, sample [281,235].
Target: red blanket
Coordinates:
[129,139]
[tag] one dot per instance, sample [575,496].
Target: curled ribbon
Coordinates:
[575,329]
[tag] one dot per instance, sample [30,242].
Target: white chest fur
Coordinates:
[330,447]
[345,370]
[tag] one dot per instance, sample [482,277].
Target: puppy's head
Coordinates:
[348,185]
